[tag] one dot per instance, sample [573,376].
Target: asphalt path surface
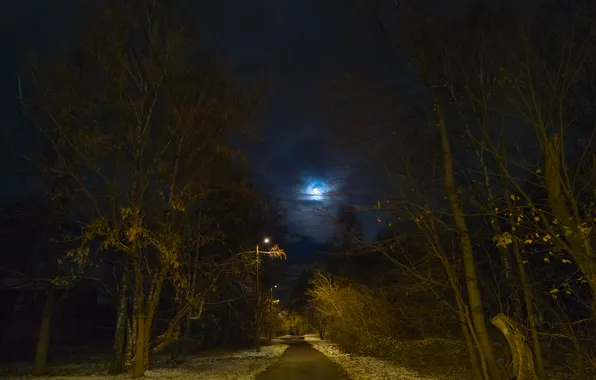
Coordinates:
[301,361]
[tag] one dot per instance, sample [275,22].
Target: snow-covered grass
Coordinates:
[432,367]
[366,368]
[238,365]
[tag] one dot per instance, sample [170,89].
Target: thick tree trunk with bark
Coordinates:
[45,329]
[118,361]
[465,328]
[151,307]
[472,286]
[139,366]
[476,355]
[523,364]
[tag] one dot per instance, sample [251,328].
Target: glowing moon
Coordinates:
[315,189]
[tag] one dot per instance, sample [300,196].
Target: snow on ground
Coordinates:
[239,365]
[365,368]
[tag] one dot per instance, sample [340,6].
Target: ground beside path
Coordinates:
[215,365]
[303,362]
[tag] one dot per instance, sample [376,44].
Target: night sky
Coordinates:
[299,47]
[302,47]
[303,156]
[42,28]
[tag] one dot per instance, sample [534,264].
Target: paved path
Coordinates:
[301,361]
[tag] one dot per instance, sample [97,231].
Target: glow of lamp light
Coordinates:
[266,240]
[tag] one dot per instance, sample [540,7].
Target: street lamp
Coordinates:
[258,305]
[270,307]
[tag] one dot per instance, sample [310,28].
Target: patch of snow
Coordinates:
[239,365]
[365,368]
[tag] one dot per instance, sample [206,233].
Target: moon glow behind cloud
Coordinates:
[316,191]
[313,203]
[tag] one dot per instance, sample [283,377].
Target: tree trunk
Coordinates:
[139,367]
[185,338]
[132,328]
[131,336]
[176,349]
[119,359]
[322,333]
[511,286]
[506,260]
[147,343]
[149,312]
[580,245]
[45,329]
[579,355]
[139,359]
[476,355]
[465,328]
[529,303]
[524,279]
[474,294]
[523,365]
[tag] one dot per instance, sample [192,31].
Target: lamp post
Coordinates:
[270,307]
[258,305]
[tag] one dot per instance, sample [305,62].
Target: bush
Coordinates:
[358,318]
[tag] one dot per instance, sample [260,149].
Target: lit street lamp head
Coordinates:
[266,240]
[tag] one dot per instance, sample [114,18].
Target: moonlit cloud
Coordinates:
[316,190]
[311,203]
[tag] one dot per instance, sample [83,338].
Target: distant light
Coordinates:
[266,240]
[316,191]
[275,286]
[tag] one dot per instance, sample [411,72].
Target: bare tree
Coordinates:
[138,119]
